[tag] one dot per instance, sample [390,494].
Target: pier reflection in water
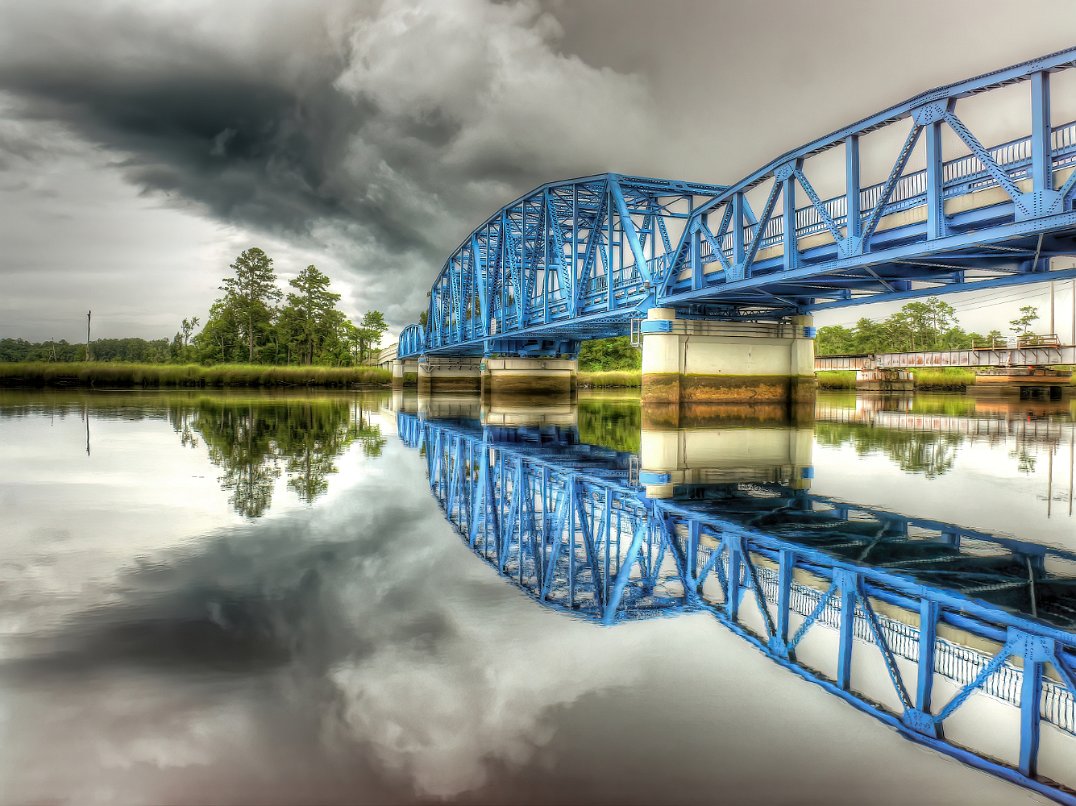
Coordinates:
[961,639]
[257,595]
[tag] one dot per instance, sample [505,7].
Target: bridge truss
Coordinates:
[580,259]
[562,523]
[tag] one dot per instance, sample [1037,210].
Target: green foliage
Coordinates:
[926,325]
[108,350]
[617,353]
[1021,325]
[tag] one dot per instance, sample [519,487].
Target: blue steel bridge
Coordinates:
[581,258]
[919,623]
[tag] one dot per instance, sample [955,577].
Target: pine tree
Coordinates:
[309,313]
[251,293]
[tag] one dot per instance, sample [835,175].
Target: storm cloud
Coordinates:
[384,130]
[142,145]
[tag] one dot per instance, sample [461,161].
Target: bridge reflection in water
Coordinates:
[962,640]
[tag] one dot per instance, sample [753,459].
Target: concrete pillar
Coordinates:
[523,377]
[404,372]
[669,457]
[709,361]
[449,374]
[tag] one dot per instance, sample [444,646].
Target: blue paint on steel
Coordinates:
[656,326]
[579,259]
[650,477]
[564,524]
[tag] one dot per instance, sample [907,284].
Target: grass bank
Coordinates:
[836,379]
[943,379]
[129,376]
[628,378]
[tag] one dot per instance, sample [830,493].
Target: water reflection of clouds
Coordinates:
[359,653]
[352,627]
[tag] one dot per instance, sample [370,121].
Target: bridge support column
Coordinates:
[449,374]
[708,361]
[404,372]
[522,377]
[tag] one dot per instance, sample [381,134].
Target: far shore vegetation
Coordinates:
[256,336]
[253,322]
[120,375]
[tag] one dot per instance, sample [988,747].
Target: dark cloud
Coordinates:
[375,134]
[385,129]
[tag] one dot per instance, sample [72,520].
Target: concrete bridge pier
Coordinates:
[404,372]
[708,361]
[449,374]
[524,377]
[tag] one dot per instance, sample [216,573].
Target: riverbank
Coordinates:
[96,375]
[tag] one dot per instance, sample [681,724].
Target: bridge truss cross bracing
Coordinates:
[580,259]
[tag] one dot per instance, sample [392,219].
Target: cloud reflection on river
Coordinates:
[335,640]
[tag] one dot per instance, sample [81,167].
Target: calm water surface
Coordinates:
[245,598]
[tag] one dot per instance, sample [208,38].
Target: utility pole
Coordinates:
[1052,330]
[89,355]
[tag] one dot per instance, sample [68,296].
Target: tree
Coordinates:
[1022,324]
[609,354]
[308,316]
[371,328]
[250,294]
[220,339]
[835,340]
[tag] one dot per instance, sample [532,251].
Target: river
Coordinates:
[246,597]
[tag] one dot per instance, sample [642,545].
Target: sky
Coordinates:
[143,145]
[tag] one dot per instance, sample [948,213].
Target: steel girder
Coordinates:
[563,523]
[578,259]
[569,260]
[990,217]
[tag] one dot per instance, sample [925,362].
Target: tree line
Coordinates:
[926,325]
[255,322]
[252,322]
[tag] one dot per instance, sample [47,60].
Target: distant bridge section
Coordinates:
[993,357]
[580,259]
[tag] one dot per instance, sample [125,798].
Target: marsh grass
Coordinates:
[944,378]
[127,376]
[611,378]
[836,379]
